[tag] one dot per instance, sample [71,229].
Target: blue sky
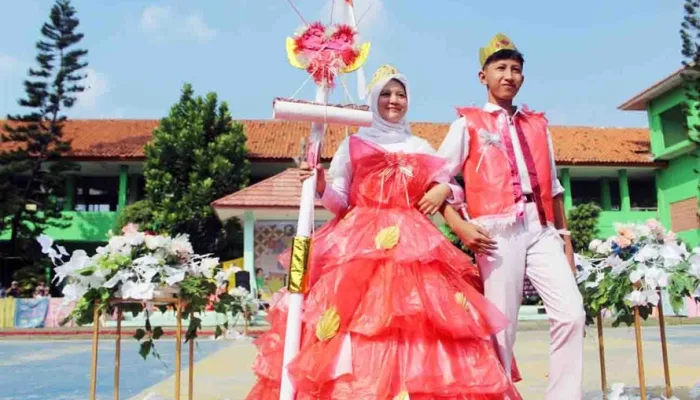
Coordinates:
[583,58]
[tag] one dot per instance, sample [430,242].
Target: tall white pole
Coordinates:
[304,228]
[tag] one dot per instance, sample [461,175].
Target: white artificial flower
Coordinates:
[181,245]
[652,297]
[647,253]
[224,275]
[137,290]
[595,243]
[175,278]
[116,243]
[120,276]
[605,248]
[146,267]
[62,251]
[46,243]
[636,298]
[134,238]
[205,267]
[598,278]
[238,292]
[78,261]
[617,265]
[638,274]
[156,242]
[672,254]
[656,277]
[73,292]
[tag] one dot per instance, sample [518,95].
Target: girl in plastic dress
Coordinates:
[394,310]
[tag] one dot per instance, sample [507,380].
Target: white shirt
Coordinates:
[335,197]
[455,149]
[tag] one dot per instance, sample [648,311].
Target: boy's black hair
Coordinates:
[505,54]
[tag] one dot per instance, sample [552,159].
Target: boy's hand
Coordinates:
[306,172]
[475,237]
[433,199]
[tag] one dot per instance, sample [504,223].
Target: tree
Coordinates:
[32,166]
[583,225]
[139,213]
[197,155]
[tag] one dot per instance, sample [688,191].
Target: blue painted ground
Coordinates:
[60,370]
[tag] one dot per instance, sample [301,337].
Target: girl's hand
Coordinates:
[306,172]
[433,199]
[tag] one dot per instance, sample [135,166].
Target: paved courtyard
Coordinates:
[59,370]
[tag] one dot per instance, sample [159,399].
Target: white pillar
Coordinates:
[249,248]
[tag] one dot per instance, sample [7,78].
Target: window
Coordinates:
[96,193]
[614,194]
[643,193]
[673,126]
[586,191]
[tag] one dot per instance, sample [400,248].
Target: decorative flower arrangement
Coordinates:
[148,268]
[629,269]
[326,52]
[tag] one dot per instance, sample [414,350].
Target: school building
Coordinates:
[633,173]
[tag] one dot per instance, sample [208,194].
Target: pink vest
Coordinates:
[492,182]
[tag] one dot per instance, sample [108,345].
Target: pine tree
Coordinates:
[32,166]
[197,155]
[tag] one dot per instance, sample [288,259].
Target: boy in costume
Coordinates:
[514,215]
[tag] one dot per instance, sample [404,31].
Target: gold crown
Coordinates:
[384,71]
[497,43]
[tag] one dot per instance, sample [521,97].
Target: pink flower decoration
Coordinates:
[623,242]
[130,229]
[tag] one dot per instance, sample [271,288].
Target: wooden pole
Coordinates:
[640,355]
[95,340]
[178,349]
[117,351]
[664,350]
[190,395]
[601,354]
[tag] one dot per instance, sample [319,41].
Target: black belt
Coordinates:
[529,197]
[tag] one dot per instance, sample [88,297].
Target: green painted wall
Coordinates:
[85,227]
[678,182]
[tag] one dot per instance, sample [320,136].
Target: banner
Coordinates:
[57,312]
[31,313]
[7,313]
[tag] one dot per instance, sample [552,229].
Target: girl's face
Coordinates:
[393,102]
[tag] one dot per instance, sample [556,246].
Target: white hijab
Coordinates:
[382,131]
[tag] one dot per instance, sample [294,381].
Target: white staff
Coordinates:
[323,65]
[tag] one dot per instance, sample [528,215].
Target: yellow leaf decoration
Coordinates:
[461,299]
[387,238]
[360,60]
[328,325]
[402,396]
[291,54]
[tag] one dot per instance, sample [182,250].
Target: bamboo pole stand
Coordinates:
[640,352]
[117,353]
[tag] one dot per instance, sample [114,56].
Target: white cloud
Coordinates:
[8,64]
[195,25]
[96,86]
[163,23]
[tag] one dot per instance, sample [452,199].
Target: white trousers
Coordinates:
[529,248]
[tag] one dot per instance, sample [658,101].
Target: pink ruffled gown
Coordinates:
[394,309]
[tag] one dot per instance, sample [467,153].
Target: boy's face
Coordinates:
[503,78]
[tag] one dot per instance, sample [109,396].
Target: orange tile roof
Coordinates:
[280,140]
[280,191]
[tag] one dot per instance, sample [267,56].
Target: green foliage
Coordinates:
[32,166]
[197,155]
[139,213]
[583,224]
